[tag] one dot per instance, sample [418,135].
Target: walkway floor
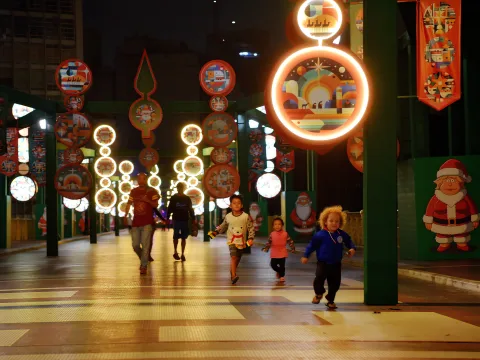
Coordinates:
[91,303]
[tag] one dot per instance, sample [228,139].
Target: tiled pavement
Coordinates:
[91,303]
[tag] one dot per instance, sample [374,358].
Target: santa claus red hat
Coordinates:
[454,167]
[303,196]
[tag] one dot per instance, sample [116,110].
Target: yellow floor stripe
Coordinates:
[36,295]
[10,337]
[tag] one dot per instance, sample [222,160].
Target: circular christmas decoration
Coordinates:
[105,151]
[146,115]
[320,20]
[105,167]
[125,197]
[125,177]
[217,77]
[192,182]
[148,142]
[104,135]
[221,181]
[148,157]
[154,181]
[23,169]
[178,166]
[105,198]
[221,155]
[126,167]
[192,134]
[219,129]
[71,204]
[73,181]
[105,182]
[196,195]
[84,204]
[269,185]
[125,187]
[122,207]
[192,166]
[73,156]
[73,103]
[73,77]
[22,188]
[181,177]
[73,129]
[192,150]
[218,103]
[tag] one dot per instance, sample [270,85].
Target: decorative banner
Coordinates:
[73,181]
[285,162]
[221,155]
[257,151]
[73,77]
[196,195]
[38,158]
[233,155]
[218,103]
[73,156]
[148,157]
[192,135]
[9,161]
[221,181]
[219,129]
[356,29]
[74,103]
[60,158]
[217,77]
[73,129]
[439,52]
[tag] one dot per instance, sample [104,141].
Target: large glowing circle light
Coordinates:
[71,204]
[105,198]
[192,166]
[181,176]
[104,135]
[126,167]
[154,181]
[22,188]
[320,20]
[196,195]
[192,134]
[84,204]
[192,150]
[192,182]
[105,151]
[105,167]
[269,185]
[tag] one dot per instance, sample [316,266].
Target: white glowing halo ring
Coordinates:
[123,172]
[125,197]
[121,190]
[301,12]
[149,181]
[199,131]
[181,176]
[114,170]
[192,150]
[192,182]
[120,204]
[360,108]
[202,196]
[125,177]
[108,181]
[114,196]
[155,170]
[175,166]
[109,128]
[105,151]
[191,173]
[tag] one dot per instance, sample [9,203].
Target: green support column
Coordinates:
[380,175]
[4,234]
[206,213]
[242,161]
[92,213]
[51,196]
[117,218]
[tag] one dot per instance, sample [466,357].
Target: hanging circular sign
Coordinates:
[148,142]
[178,166]
[104,135]
[148,157]
[196,195]
[219,129]
[269,185]
[73,103]
[71,204]
[72,156]
[73,129]
[218,103]
[146,115]
[105,151]
[22,188]
[221,155]
[192,150]
[23,169]
[105,167]
[192,182]
[217,77]
[84,204]
[105,198]
[192,134]
[320,20]
[125,187]
[221,181]
[73,77]
[73,181]
[105,182]
[192,166]
[126,167]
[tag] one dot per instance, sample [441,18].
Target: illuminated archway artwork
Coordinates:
[318,94]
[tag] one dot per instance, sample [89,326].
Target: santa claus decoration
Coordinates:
[303,215]
[451,213]
[255,215]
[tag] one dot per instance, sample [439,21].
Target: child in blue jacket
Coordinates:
[328,244]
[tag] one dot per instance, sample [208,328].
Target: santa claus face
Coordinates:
[254,211]
[451,185]
[303,208]
[146,115]
[333,222]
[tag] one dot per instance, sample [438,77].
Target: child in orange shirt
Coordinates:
[277,243]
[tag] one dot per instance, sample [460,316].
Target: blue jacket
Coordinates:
[329,246]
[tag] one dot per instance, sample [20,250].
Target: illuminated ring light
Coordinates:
[269,185]
[121,207]
[105,151]
[113,168]
[197,196]
[105,182]
[125,187]
[296,135]
[105,198]
[192,182]
[22,188]
[154,181]
[125,197]
[71,204]
[192,150]
[301,17]
[126,167]
[178,166]
[197,130]
[125,177]
[84,204]
[181,177]
[195,162]
[155,170]
[104,135]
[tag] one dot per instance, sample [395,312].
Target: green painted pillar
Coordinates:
[206,213]
[4,235]
[242,161]
[92,214]
[117,218]
[380,175]
[51,196]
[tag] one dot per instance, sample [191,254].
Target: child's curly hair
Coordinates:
[322,220]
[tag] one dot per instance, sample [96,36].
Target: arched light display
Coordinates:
[192,166]
[318,94]
[22,188]
[105,167]
[19,111]
[269,185]
[192,134]
[71,204]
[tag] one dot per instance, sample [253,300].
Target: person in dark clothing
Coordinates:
[181,208]
[157,213]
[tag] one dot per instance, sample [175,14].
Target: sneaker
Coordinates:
[234,280]
[316,299]
[143,270]
[282,279]
[331,305]
[176,257]
[183,258]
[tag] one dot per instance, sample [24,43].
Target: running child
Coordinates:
[328,244]
[277,243]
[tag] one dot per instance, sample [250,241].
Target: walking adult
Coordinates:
[181,207]
[144,200]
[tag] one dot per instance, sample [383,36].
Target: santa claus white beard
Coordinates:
[303,211]
[254,214]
